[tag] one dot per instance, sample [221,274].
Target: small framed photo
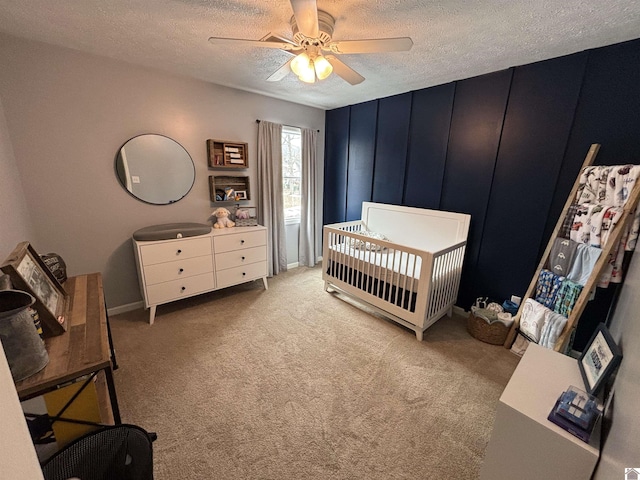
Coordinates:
[599,360]
[28,273]
[241,195]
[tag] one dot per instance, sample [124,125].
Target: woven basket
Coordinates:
[495,333]
[246,222]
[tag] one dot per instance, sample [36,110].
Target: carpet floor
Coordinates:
[297,383]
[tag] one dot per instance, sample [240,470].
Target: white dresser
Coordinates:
[524,444]
[173,269]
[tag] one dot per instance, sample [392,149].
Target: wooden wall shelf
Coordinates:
[219,183]
[224,154]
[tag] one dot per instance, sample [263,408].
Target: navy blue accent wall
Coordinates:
[362,149]
[392,141]
[474,138]
[542,102]
[505,147]
[335,166]
[428,138]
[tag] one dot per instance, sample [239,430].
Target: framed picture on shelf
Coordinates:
[28,273]
[241,195]
[599,360]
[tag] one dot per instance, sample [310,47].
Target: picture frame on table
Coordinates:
[599,360]
[29,273]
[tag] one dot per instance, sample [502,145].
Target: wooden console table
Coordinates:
[84,349]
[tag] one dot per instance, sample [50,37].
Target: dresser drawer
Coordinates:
[164,272]
[182,288]
[240,257]
[233,276]
[178,250]
[236,241]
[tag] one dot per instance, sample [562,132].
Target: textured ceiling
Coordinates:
[453,39]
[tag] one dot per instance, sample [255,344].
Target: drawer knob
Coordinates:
[241,241]
[181,270]
[243,258]
[243,274]
[183,288]
[179,252]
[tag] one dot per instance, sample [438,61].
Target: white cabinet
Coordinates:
[524,444]
[178,268]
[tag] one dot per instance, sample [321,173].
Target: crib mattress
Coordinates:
[391,262]
[392,266]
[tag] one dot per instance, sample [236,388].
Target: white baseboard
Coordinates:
[125,308]
[459,311]
[293,265]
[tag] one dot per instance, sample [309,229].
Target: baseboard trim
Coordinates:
[459,311]
[293,265]
[125,308]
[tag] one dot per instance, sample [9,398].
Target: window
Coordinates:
[291,173]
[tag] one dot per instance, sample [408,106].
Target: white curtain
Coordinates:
[307,238]
[271,213]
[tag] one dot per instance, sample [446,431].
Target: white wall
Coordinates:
[15,221]
[622,447]
[68,113]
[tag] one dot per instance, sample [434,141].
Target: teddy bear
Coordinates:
[222,215]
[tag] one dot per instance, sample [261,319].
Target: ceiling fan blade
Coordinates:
[371,46]
[306,14]
[280,73]
[253,43]
[345,72]
[294,50]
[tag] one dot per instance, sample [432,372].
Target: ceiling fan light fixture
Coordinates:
[308,75]
[323,67]
[301,64]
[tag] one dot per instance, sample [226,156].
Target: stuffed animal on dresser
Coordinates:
[222,216]
[242,214]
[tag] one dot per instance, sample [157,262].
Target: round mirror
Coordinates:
[155,169]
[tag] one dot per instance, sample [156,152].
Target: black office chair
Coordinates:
[120,452]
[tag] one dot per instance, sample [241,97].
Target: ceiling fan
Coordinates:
[313,50]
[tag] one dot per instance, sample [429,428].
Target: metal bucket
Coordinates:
[22,345]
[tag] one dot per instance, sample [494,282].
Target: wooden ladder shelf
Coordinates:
[608,249]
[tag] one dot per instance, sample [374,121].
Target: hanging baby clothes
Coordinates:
[553,325]
[593,184]
[602,222]
[619,186]
[581,228]
[532,319]
[547,288]
[540,324]
[567,222]
[561,256]
[618,182]
[566,298]
[621,180]
[583,263]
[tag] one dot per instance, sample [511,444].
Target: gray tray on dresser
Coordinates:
[171,230]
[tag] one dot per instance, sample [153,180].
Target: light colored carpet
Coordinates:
[295,383]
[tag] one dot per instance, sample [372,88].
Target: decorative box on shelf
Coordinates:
[224,154]
[225,188]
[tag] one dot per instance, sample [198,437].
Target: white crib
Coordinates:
[412,278]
